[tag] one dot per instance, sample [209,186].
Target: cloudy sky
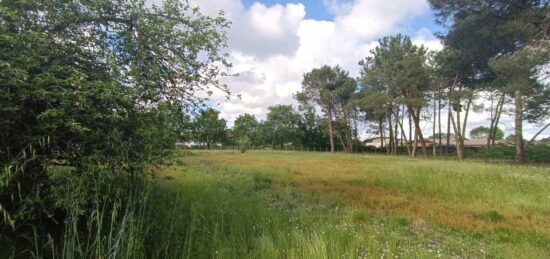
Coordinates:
[272,43]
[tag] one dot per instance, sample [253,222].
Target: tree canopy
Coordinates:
[98,87]
[483,132]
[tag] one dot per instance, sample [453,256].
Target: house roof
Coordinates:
[376,138]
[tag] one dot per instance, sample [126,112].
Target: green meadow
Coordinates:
[213,204]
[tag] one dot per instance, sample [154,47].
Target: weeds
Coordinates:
[214,205]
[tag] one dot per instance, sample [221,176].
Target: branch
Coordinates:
[536,135]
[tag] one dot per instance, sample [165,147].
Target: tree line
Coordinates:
[284,126]
[496,52]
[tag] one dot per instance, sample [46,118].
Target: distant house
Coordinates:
[428,141]
[480,143]
[378,142]
[476,143]
[471,143]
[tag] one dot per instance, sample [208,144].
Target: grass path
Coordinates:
[317,205]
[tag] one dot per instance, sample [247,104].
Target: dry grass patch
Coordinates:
[415,188]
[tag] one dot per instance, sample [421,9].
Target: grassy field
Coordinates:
[317,205]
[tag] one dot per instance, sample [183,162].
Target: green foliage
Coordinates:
[208,128]
[397,69]
[282,126]
[319,87]
[315,130]
[99,88]
[243,143]
[533,153]
[524,71]
[333,90]
[544,141]
[247,126]
[483,30]
[502,43]
[396,75]
[482,132]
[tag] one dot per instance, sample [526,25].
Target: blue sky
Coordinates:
[314,9]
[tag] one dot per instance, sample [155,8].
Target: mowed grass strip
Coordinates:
[317,205]
[453,193]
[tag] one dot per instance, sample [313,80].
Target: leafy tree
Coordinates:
[98,87]
[513,34]
[483,132]
[329,88]
[247,126]
[314,130]
[345,96]
[243,142]
[519,71]
[208,128]
[397,73]
[452,68]
[282,126]
[374,100]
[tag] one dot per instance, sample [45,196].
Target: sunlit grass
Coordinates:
[317,205]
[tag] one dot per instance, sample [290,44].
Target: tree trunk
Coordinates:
[355,132]
[465,122]
[330,130]
[421,138]
[458,143]
[463,134]
[459,130]
[410,135]
[390,136]
[433,129]
[439,123]
[493,126]
[499,112]
[448,137]
[414,143]
[396,133]
[403,136]
[520,148]
[382,140]
[536,135]
[456,129]
[416,119]
[493,119]
[348,131]
[342,142]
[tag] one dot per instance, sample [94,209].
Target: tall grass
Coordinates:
[261,204]
[305,205]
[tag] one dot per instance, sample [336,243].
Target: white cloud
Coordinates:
[271,47]
[337,7]
[425,37]
[374,18]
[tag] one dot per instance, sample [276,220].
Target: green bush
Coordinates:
[533,153]
[88,107]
